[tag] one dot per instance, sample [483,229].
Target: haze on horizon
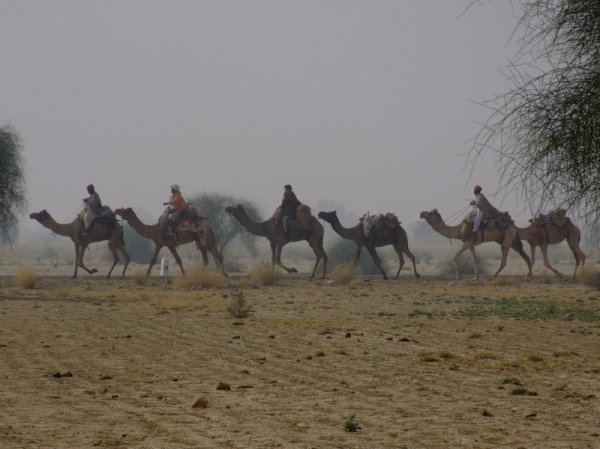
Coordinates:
[368,106]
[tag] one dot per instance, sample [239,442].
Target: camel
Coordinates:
[507,238]
[382,236]
[99,231]
[155,233]
[278,240]
[551,234]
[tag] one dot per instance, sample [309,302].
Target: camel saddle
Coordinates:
[557,217]
[303,216]
[106,216]
[503,220]
[369,222]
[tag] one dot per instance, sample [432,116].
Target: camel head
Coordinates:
[236,211]
[40,216]
[431,216]
[329,217]
[124,212]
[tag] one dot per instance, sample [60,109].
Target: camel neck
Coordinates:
[347,233]
[63,229]
[451,232]
[260,228]
[141,228]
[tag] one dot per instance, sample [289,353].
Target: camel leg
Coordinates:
[579,257]
[324,257]
[279,248]
[505,250]
[76,261]
[519,249]
[273,252]
[413,259]
[204,254]
[127,259]
[544,249]
[320,254]
[153,258]
[466,246]
[318,259]
[218,258]
[377,261]
[400,263]
[532,252]
[358,251]
[81,264]
[113,250]
[177,258]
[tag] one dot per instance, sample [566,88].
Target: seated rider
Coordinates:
[178,206]
[484,209]
[93,208]
[289,206]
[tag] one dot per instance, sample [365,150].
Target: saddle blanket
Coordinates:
[197,226]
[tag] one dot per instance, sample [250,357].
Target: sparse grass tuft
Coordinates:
[511,380]
[351,425]
[140,278]
[522,391]
[238,307]
[27,277]
[343,273]
[590,278]
[265,274]
[202,276]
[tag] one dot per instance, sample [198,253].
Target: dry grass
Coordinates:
[27,277]
[344,273]
[202,276]
[265,274]
[140,278]
[238,307]
[590,278]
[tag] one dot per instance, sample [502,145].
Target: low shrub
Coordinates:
[590,278]
[265,274]
[140,278]
[238,307]
[344,272]
[202,276]
[27,277]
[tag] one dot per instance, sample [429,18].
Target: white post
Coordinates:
[164,267]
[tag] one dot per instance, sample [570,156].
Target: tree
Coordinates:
[545,131]
[12,182]
[226,229]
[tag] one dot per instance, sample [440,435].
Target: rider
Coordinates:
[484,209]
[178,206]
[93,208]
[289,206]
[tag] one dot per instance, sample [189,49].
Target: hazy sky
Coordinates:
[368,104]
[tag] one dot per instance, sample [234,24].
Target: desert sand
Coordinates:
[430,363]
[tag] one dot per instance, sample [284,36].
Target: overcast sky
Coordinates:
[367,104]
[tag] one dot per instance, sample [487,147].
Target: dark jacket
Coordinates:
[289,204]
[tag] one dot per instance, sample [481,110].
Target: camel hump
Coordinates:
[557,217]
[369,221]
[303,214]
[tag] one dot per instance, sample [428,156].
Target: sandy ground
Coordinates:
[428,363]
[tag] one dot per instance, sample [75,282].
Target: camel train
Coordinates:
[303,226]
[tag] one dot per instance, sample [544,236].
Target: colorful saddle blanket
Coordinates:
[194,225]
